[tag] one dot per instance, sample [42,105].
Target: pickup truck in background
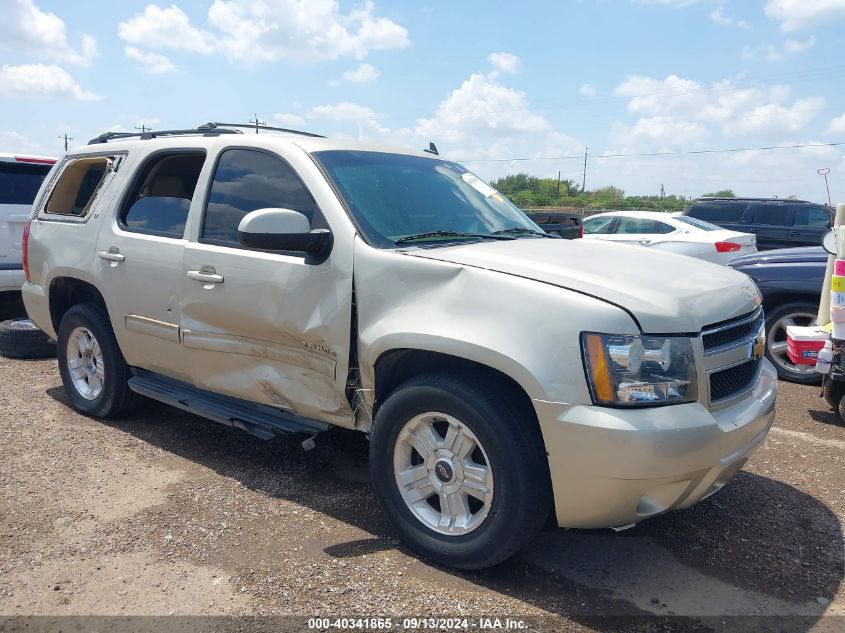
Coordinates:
[20,179]
[565,225]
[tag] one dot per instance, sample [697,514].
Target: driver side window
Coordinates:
[246,180]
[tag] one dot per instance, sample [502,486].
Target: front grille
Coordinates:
[733,380]
[731,332]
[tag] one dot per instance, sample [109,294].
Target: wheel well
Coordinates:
[774,301]
[65,292]
[397,366]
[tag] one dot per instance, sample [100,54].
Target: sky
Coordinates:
[504,87]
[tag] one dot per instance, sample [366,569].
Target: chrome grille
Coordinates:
[722,335]
[733,380]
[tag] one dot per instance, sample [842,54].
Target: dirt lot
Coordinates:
[166,513]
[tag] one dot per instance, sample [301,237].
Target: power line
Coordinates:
[647,154]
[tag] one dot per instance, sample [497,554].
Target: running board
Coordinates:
[260,420]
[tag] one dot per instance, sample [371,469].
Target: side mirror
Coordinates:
[284,230]
[830,243]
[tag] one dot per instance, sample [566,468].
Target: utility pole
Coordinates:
[558,184]
[662,192]
[257,122]
[66,139]
[584,179]
[824,171]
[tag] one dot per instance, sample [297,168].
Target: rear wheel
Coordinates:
[93,370]
[777,320]
[460,469]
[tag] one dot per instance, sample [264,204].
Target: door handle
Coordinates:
[112,256]
[207,277]
[794,234]
[645,242]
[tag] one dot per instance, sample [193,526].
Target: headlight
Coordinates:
[639,370]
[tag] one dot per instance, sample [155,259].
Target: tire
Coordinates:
[103,366]
[840,409]
[21,338]
[800,313]
[507,439]
[833,392]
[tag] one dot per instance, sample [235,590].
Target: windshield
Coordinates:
[394,196]
[701,224]
[19,182]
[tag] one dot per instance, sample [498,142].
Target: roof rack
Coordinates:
[756,199]
[259,126]
[105,137]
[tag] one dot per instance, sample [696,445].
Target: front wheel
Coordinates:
[777,320]
[460,469]
[93,370]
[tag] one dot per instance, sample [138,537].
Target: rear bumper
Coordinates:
[38,307]
[11,277]
[611,467]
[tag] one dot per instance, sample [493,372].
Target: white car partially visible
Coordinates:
[674,233]
[20,179]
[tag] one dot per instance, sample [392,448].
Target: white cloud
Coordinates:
[837,125]
[505,62]
[152,63]
[288,120]
[794,46]
[587,90]
[344,111]
[718,17]
[270,30]
[165,28]
[738,110]
[15,142]
[777,53]
[365,73]
[796,15]
[659,132]
[27,29]
[42,80]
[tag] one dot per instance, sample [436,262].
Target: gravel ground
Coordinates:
[166,513]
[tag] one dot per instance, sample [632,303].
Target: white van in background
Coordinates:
[20,179]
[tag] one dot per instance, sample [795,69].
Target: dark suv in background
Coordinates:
[777,222]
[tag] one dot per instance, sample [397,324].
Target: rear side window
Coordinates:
[637,226]
[772,215]
[598,226]
[246,180]
[717,212]
[19,182]
[812,216]
[662,227]
[161,196]
[77,186]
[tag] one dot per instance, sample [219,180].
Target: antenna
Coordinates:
[257,122]
[66,139]
[432,149]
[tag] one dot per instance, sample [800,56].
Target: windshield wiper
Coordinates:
[422,236]
[520,230]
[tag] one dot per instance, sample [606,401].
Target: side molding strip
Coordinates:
[145,325]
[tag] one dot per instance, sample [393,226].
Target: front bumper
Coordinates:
[612,467]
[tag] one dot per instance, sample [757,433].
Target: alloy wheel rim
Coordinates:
[443,474]
[776,341]
[85,363]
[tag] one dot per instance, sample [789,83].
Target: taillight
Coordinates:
[25,249]
[727,247]
[582,230]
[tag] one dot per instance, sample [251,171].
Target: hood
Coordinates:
[665,293]
[783,256]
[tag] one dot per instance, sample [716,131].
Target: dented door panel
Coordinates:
[274,331]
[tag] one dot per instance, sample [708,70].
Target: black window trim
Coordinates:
[140,174]
[210,184]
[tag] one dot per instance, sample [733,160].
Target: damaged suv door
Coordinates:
[272,328]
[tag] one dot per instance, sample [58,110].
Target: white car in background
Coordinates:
[674,233]
[20,178]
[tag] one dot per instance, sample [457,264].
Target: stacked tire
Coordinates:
[21,338]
